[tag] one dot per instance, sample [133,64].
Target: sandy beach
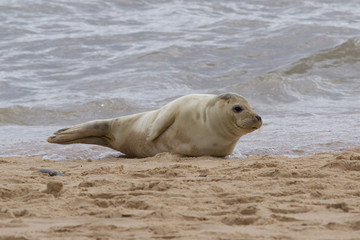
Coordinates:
[168,197]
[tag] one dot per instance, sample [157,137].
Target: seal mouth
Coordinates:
[248,128]
[248,125]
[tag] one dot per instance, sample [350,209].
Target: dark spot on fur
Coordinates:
[197,116]
[227,96]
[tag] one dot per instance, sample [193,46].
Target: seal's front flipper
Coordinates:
[94,132]
[162,122]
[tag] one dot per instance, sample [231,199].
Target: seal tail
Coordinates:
[94,132]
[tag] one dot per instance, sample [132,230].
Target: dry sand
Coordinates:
[167,197]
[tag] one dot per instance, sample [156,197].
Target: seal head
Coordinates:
[241,117]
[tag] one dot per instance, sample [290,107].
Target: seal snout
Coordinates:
[258,123]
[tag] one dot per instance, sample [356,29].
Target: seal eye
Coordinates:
[237,109]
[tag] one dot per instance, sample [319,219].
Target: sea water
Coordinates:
[66,62]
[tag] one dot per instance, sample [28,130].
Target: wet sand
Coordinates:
[168,197]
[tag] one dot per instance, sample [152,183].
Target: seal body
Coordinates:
[193,125]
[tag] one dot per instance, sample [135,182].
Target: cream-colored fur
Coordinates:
[193,125]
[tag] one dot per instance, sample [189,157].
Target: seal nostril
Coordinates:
[258,118]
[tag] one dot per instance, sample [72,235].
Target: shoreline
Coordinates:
[167,197]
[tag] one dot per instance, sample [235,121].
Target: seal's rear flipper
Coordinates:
[94,132]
